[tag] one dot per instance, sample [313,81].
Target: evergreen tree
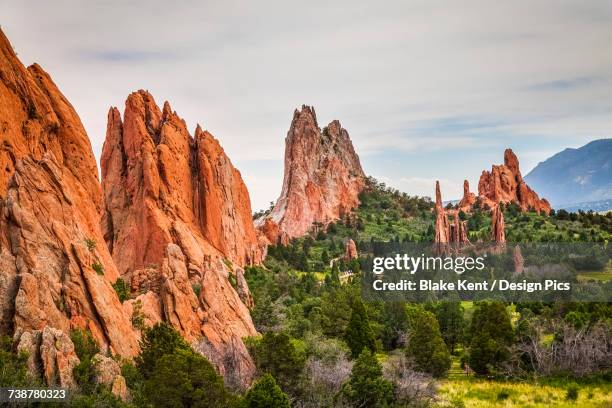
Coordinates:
[185,378]
[426,346]
[265,393]
[450,319]
[158,341]
[491,332]
[358,333]
[366,386]
[275,354]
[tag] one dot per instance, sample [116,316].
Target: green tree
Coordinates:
[185,378]
[275,354]
[158,341]
[492,334]
[358,333]
[450,319]
[425,345]
[366,386]
[265,393]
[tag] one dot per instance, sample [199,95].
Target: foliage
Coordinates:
[425,344]
[491,335]
[184,378]
[122,290]
[157,342]
[265,393]
[366,386]
[85,373]
[276,354]
[358,333]
[13,366]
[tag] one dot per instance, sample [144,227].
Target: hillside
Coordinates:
[574,176]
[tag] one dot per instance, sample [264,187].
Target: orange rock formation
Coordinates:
[505,184]
[322,182]
[55,271]
[178,217]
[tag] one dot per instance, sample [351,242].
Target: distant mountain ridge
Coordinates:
[573,178]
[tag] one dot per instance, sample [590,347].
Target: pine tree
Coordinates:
[426,345]
[366,386]
[358,333]
[265,393]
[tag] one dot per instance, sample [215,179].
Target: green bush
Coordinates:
[84,373]
[366,386]
[572,392]
[98,267]
[122,290]
[275,354]
[265,393]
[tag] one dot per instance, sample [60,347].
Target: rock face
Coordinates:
[178,222]
[445,232]
[108,373]
[442,227]
[350,250]
[51,355]
[162,185]
[468,198]
[322,181]
[55,270]
[498,228]
[505,184]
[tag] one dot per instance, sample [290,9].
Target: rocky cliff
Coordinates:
[55,270]
[505,184]
[179,226]
[322,181]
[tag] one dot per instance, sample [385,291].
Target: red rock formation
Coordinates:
[505,184]
[442,227]
[498,228]
[519,262]
[51,355]
[350,250]
[322,182]
[55,271]
[178,218]
[468,198]
[445,232]
[162,184]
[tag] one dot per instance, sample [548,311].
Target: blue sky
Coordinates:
[427,90]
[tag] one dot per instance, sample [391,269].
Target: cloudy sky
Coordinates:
[427,90]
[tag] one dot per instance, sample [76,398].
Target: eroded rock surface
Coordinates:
[179,225]
[505,184]
[55,270]
[322,181]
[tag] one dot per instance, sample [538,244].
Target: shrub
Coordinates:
[197,289]
[98,267]
[572,392]
[122,290]
[84,373]
[90,243]
[265,393]
[366,387]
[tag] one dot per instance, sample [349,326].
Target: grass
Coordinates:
[602,276]
[477,393]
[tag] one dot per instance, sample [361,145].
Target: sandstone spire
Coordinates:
[442,227]
[505,184]
[178,217]
[322,181]
[55,270]
[468,198]
[498,232]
